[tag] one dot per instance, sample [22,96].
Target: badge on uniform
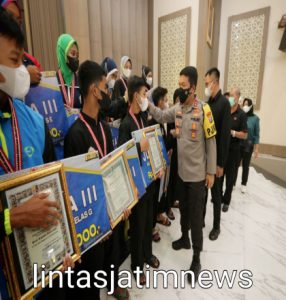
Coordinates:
[210,117]
[193,134]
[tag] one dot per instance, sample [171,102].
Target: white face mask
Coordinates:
[149,80]
[144,104]
[208,91]
[17,81]
[111,84]
[246,108]
[126,72]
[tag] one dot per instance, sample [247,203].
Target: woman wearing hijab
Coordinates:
[110,68]
[147,76]
[68,62]
[251,144]
[120,86]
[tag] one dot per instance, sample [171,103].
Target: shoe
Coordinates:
[196,269]
[181,244]
[225,208]
[214,234]
[176,204]
[243,189]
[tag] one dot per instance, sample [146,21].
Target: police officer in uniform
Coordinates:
[196,132]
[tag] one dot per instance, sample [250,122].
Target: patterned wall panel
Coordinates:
[174,45]
[247,35]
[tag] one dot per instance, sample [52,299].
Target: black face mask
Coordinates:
[105,102]
[73,63]
[183,94]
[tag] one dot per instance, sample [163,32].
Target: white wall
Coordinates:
[165,7]
[272,111]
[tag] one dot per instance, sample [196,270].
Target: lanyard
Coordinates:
[18,158]
[124,84]
[135,120]
[69,101]
[102,154]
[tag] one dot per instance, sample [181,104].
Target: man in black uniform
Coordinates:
[238,133]
[89,131]
[141,220]
[221,112]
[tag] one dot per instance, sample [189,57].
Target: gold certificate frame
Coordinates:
[155,152]
[119,186]
[26,246]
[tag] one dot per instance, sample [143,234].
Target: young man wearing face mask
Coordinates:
[120,87]
[68,62]
[89,131]
[221,112]
[24,139]
[196,160]
[160,99]
[141,220]
[31,63]
[238,132]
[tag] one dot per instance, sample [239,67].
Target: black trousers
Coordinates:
[217,200]
[141,225]
[230,173]
[245,159]
[100,257]
[192,202]
[92,261]
[172,189]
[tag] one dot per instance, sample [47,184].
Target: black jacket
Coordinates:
[221,112]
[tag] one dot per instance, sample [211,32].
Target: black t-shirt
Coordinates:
[238,123]
[79,140]
[128,125]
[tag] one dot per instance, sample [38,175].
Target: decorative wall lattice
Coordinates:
[174,42]
[246,52]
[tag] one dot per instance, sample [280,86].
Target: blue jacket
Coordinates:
[32,132]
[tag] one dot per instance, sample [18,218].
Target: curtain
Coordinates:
[45,25]
[117,28]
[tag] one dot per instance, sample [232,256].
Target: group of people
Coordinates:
[205,140]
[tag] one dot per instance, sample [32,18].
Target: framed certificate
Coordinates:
[26,247]
[119,187]
[155,153]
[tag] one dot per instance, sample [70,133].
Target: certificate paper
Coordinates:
[41,246]
[117,187]
[156,157]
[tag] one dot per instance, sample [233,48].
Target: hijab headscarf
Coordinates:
[64,44]
[124,60]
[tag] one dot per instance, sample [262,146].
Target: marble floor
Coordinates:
[253,237]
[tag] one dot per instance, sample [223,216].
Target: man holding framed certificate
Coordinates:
[89,131]
[24,139]
[141,220]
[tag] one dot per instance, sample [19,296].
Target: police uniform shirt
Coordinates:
[196,143]
[238,123]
